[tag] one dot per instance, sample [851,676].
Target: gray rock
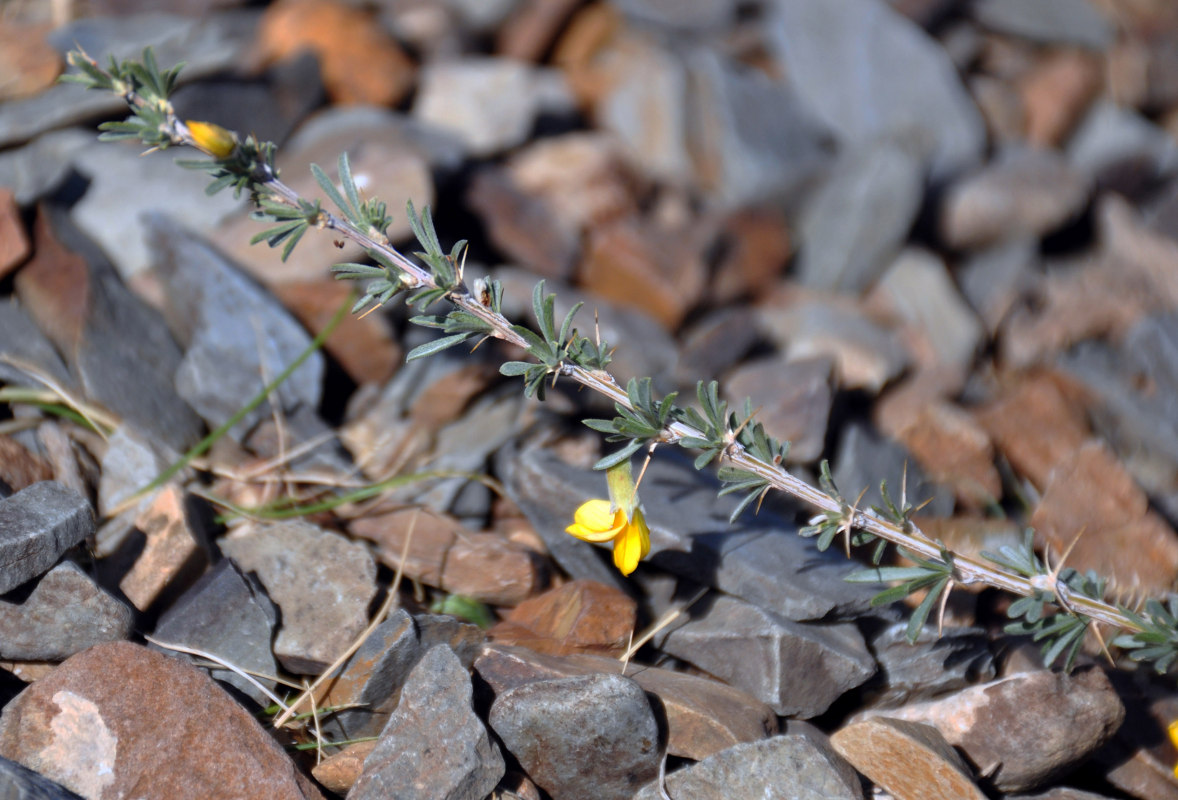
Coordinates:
[755,136]
[464,638]
[760,560]
[792,400]
[207,45]
[920,290]
[938,662]
[21,342]
[131,461]
[37,525]
[372,678]
[681,15]
[433,746]
[712,345]
[65,613]
[583,738]
[236,335]
[225,613]
[1022,192]
[797,765]
[864,461]
[857,220]
[40,167]
[799,669]
[867,355]
[18,782]
[491,104]
[321,581]
[994,279]
[1120,150]
[869,72]
[111,215]
[1048,21]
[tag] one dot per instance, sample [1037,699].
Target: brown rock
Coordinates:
[14,242]
[360,62]
[639,266]
[1090,495]
[363,345]
[971,536]
[28,63]
[904,400]
[590,31]
[756,247]
[119,720]
[954,450]
[54,287]
[1024,729]
[530,31]
[18,467]
[908,760]
[790,398]
[444,400]
[173,556]
[579,617]
[704,716]
[523,226]
[1037,423]
[1056,93]
[338,772]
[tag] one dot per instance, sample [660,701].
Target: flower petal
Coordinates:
[632,545]
[596,522]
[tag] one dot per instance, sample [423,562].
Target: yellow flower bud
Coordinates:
[212,138]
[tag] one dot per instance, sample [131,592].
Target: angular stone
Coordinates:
[954,450]
[225,613]
[703,716]
[84,726]
[38,168]
[1092,500]
[65,613]
[792,398]
[904,82]
[321,582]
[20,783]
[938,662]
[918,289]
[371,679]
[1075,22]
[1057,92]
[908,760]
[21,342]
[866,354]
[340,771]
[464,638]
[713,344]
[759,559]
[37,525]
[524,227]
[361,62]
[175,554]
[803,764]
[756,245]
[1027,728]
[583,738]
[433,745]
[14,242]
[659,272]
[751,138]
[772,658]
[853,226]
[20,468]
[581,616]
[120,349]
[234,333]
[490,103]
[1021,193]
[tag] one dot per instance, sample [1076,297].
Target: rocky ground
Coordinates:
[934,241]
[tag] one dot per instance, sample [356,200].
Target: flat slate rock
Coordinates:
[228,614]
[592,737]
[37,525]
[65,613]
[799,765]
[433,745]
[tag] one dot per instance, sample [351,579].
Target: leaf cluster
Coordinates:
[550,346]
[145,87]
[643,423]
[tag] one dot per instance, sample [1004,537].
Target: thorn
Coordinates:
[849,522]
[941,610]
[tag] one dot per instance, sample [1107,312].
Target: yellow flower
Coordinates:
[212,139]
[618,519]
[1173,731]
